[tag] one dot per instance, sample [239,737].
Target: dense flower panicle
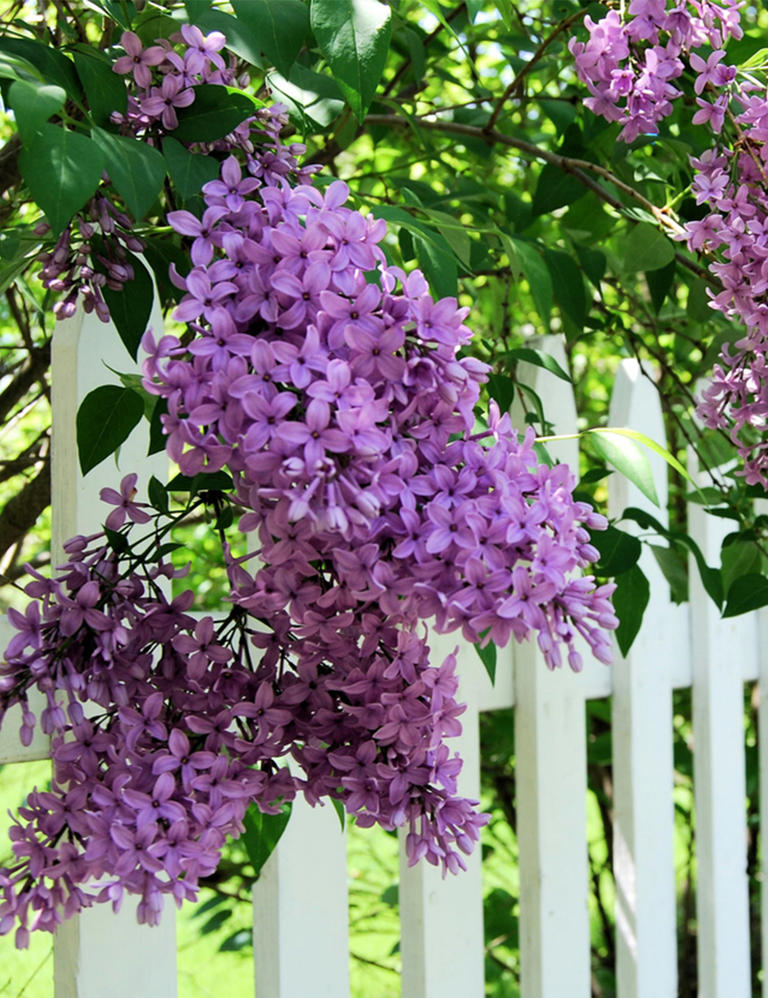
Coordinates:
[337,392]
[729,183]
[628,62]
[93,250]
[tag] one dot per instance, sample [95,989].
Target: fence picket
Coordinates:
[643,767]
[300,901]
[441,919]
[98,946]
[719,781]
[300,913]
[550,752]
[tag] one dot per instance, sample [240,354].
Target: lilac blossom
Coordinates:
[369,502]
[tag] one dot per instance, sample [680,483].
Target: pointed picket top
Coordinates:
[643,765]
[550,748]
[724,654]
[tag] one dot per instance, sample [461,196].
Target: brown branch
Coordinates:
[516,84]
[427,42]
[9,163]
[20,513]
[28,458]
[32,370]
[579,168]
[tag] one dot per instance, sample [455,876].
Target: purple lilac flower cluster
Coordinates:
[344,408]
[730,182]
[339,395]
[732,185]
[177,737]
[92,251]
[628,63]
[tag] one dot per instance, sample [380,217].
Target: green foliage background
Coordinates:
[463,125]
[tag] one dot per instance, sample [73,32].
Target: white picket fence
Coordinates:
[300,902]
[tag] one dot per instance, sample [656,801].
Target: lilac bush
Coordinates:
[627,65]
[372,497]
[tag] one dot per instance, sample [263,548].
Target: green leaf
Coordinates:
[567,285]
[215,481]
[593,475]
[536,273]
[135,168]
[11,272]
[439,266]
[619,551]
[353,35]
[53,66]
[646,441]
[225,518]
[555,188]
[645,248]
[629,601]
[130,308]
[215,113]
[240,940]
[240,39]
[197,9]
[308,95]
[627,457]
[539,359]
[341,813]
[262,833]
[593,263]
[62,170]
[13,67]
[742,557]
[104,89]
[33,104]
[660,283]
[188,170]
[118,10]
[158,495]
[673,564]
[748,592]
[105,419]
[279,28]
[157,438]
[710,577]
[216,921]
[391,895]
[488,658]
[117,541]
[502,390]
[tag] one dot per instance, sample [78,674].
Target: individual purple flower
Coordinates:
[138,59]
[124,501]
[162,102]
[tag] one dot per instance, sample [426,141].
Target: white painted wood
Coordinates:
[551,780]
[441,918]
[643,768]
[300,911]
[99,952]
[718,647]
[300,901]
[551,829]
